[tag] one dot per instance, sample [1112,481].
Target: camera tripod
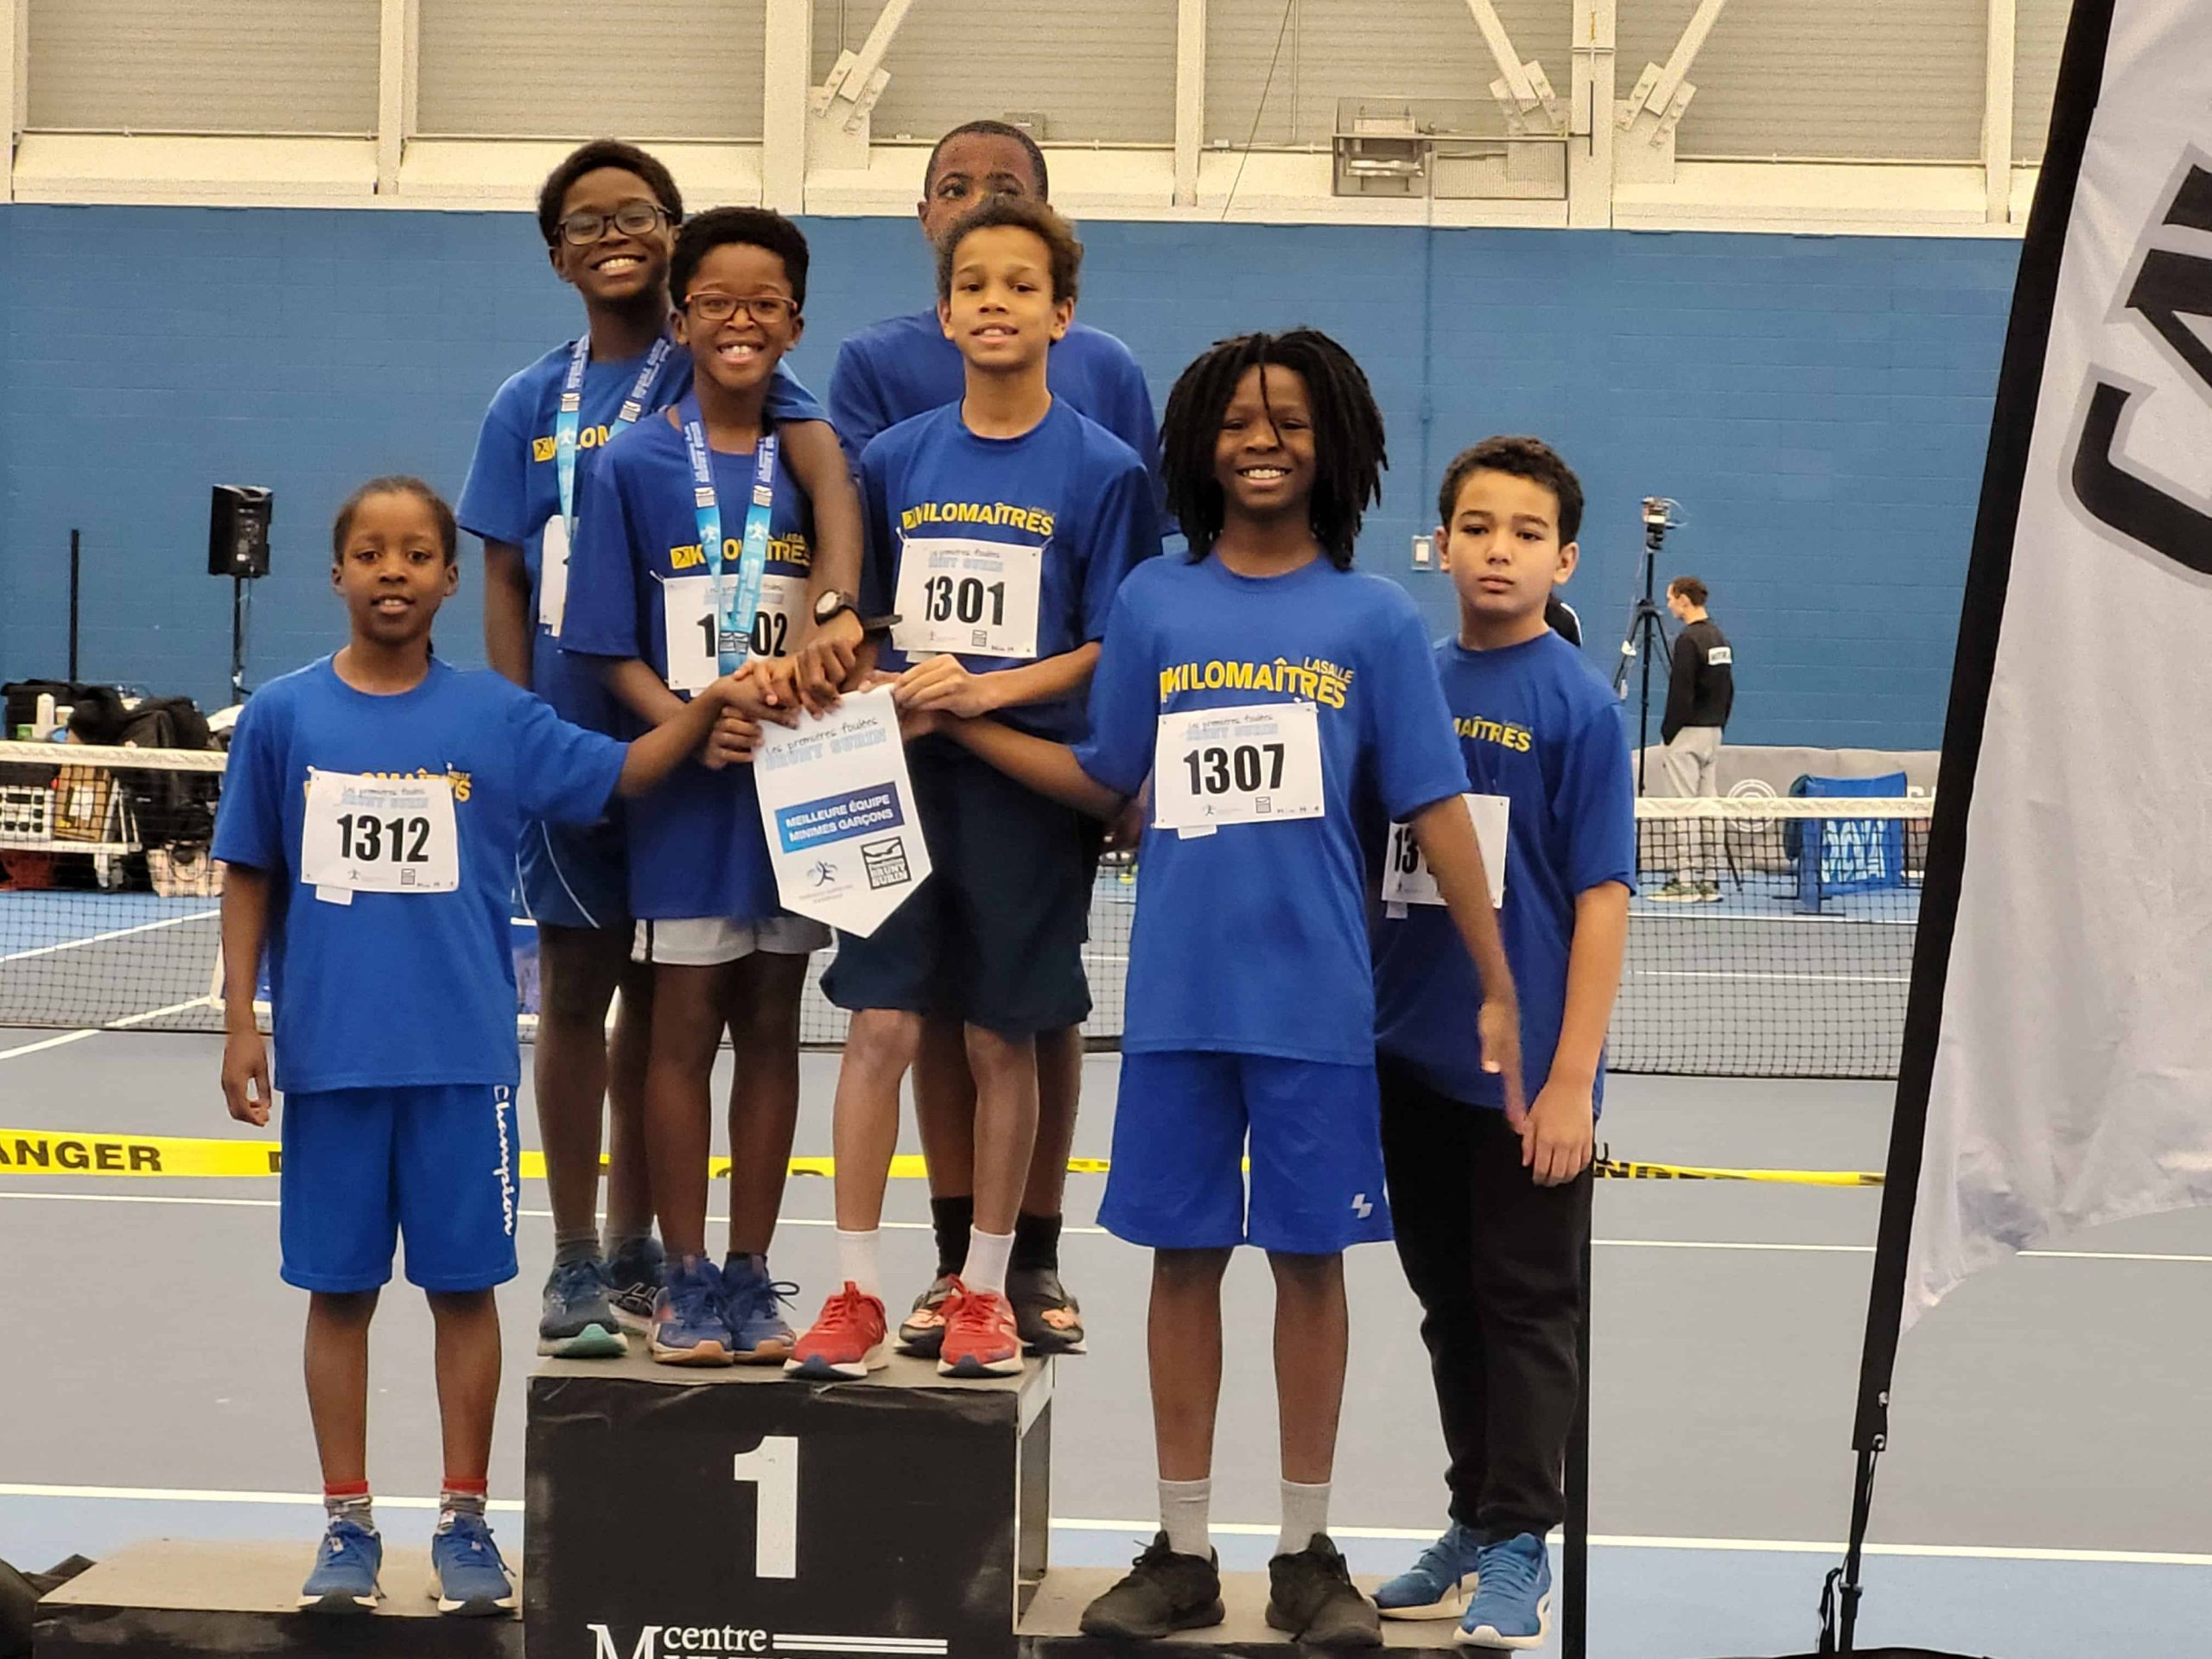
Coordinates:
[1647,632]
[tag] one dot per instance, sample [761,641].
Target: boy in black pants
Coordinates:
[1492,1204]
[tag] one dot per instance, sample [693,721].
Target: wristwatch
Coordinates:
[832,604]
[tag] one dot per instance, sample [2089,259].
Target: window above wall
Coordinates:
[1880,114]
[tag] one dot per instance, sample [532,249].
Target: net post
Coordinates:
[76,549]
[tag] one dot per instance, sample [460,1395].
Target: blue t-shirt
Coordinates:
[695,844]
[1537,726]
[1067,484]
[905,366]
[397,990]
[514,487]
[1254,940]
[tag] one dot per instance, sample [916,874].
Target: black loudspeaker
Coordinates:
[238,530]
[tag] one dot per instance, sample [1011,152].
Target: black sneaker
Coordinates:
[634,1275]
[1310,1596]
[1050,1320]
[922,1332]
[1163,1592]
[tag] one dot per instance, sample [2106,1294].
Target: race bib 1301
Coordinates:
[1407,879]
[976,598]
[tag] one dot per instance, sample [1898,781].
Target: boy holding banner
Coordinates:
[1493,1203]
[1270,693]
[607,214]
[696,553]
[999,528]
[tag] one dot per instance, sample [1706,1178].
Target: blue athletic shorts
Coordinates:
[1180,1130]
[439,1163]
[994,937]
[574,875]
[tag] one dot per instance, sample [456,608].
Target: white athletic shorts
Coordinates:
[709,941]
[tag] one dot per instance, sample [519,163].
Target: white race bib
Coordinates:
[1256,763]
[553,574]
[379,834]
[1407,879]
[687,613]
[976,598]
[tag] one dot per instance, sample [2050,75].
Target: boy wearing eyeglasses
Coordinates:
[607,214]
[666,514]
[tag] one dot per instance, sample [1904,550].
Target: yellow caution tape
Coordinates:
[45,1151]
[1618,1169]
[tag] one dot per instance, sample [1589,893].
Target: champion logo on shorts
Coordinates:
[1360,1206]
[500,1097]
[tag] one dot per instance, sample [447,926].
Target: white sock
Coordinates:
[987,1256]
[1183,1506]
[856,1260]
[1305,1512]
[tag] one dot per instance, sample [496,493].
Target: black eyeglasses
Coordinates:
[583,227]
[767,309]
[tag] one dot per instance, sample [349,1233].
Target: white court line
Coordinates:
[1770,1246]
[1237,1529]
[101,939]
[124,1023]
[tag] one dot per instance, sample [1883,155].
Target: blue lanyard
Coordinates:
[572,403]
[735,602]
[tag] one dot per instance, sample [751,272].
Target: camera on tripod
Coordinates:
[1658,518]
[1647,628]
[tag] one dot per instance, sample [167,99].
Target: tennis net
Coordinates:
[1770,938]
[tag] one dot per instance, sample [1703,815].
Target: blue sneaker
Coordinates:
[470,1578]
[1438,1584]
[753,1308]
[346,1566]
[633,1272]
[689,1327]
[578,1320]
[1512,1606]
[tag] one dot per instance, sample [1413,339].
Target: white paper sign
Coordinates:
[979,598]
[1254,763]
[553,574]
[687,613]
[838,808]
[379,834]
[1407,879]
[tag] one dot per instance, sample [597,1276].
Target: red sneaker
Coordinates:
[980,1338]
[847,1340]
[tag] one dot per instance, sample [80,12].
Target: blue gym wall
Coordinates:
[1818,404]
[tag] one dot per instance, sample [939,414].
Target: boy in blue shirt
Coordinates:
[1493,1203]
[999,528]
[648,583]
[607,214]
[1271,694]
[891,371]
[374,804]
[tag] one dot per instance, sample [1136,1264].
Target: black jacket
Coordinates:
[1702,686]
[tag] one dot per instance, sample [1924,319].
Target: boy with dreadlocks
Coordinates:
[1269,691]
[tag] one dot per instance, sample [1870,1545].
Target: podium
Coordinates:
[675,1513]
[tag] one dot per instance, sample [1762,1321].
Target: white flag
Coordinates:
[838,807]
[2072,1079]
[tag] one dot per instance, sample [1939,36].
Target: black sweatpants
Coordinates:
[1496,1262]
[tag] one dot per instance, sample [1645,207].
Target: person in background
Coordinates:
[1701,692]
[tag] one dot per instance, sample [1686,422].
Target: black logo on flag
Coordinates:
[885,861]
[2171,295]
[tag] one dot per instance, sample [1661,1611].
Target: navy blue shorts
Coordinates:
[1181,1131]
[994,937]
[439,1163]
[574,875]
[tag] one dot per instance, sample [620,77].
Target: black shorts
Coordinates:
[994,937]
